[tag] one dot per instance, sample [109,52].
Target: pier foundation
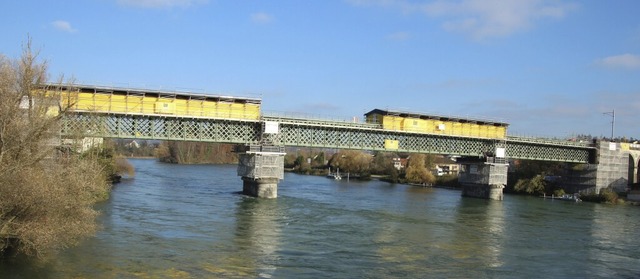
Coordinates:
[261,188]
[261,168]
[484,180]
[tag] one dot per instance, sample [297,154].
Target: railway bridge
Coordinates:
[483,145]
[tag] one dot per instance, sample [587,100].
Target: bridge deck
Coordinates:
[167,115]
[312,133]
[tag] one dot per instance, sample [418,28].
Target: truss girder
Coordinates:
[549,152]
[373,139]
[324,135]
[161,128]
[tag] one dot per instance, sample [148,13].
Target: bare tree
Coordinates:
[46,197]
[352,161]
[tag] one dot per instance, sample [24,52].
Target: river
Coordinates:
[188,221]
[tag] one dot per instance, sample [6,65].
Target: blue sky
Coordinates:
[549,68]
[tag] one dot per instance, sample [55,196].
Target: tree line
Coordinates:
[358,164]
[177,152]
[362,165]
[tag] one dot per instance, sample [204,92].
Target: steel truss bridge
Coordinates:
[313,133]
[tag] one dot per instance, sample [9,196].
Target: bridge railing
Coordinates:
[301,118]
[317,120]
[548,141]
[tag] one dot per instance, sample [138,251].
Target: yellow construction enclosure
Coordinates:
[132,101]
[113,100]
[434,124]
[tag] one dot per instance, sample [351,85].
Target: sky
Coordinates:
[548,68]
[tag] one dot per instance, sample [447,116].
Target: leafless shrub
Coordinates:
[46,197]
[124,167]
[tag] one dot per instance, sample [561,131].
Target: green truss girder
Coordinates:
[306,133]
[160,128]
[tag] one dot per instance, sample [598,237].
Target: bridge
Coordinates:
[111,112]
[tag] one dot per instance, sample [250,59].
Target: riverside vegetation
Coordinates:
[177,152]
[359,164]
[47,193]
[529,178]
[363,165]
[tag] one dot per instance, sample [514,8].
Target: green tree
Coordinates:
[301,164]
[319,161]
[290,160]
[528,170]
[46,196]
[382,162]
[535,185]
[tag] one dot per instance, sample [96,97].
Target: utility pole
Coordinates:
[612,113]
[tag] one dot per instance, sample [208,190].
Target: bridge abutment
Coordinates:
[614,169]
[261,168]
[484,180]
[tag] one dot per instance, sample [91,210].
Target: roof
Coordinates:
[162,93]
[437,117]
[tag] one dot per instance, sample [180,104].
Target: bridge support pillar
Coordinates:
[261,188]
[615,169]
[484,180]
[261,168]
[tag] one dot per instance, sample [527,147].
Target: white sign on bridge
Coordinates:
[271,127]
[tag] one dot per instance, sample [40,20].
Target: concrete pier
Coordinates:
[484,180]
[261,188]
[489,192]
[261,168]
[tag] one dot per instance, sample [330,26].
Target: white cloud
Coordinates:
[623,61]
[480,19]
[261,18]
[160,3]
[64,26]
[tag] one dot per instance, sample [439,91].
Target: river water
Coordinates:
[179,221]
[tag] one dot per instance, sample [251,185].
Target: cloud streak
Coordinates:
[261,18]
[63,26]
[624,61]
[480,19]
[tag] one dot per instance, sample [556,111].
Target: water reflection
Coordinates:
[257,236]
[400,232]
[610,239]
[479,237]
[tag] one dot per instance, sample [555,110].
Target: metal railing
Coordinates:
[548,141]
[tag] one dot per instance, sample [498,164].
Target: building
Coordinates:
[445,165]
[399,163]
